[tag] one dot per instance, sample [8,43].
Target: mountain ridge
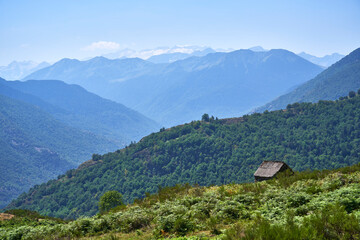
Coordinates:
[334,82]
[182,91]
[17,70]
[79,108]
[325,61]
[220,84]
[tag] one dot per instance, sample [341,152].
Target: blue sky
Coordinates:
[49,30]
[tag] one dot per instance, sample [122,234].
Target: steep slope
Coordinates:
[34,147]
[221,84]
[306,136]
[76,107]
[332,83]
[325,61]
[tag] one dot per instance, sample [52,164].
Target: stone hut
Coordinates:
[268,170]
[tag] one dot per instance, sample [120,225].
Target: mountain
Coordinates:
[319,204]
[334,82]
[258,49]
[17,70]
[96,74]
[148,53]
[168,57]
[220,84]
[173,57]
[35,147]
[305,136]
[325,61]
[81,109]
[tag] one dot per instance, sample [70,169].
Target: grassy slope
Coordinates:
[316,205]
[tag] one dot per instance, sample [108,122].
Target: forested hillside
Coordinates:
[305,136]
[307,205]
[34,147]
[334,82]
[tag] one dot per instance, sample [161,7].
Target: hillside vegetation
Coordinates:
[305,136]
[307,205]
[334,82]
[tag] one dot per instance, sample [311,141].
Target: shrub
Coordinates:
[182,226]
[333,222]
[110,200]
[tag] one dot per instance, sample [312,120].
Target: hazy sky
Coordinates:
[48,30]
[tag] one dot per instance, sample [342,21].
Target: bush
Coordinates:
[352,94]
[182,226]
[333,222]
[110,200]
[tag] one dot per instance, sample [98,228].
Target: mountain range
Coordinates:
[220,84]
[334,82]
[19,69]
[97,75]
[180,51]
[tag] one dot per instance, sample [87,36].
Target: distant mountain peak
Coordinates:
[324,61]
[257,49]
[176,56]
[66,60]
[19,69]
[98,59]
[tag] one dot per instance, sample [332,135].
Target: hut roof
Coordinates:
[269,168]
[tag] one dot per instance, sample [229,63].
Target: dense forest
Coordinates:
[308,205]
[306,136]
